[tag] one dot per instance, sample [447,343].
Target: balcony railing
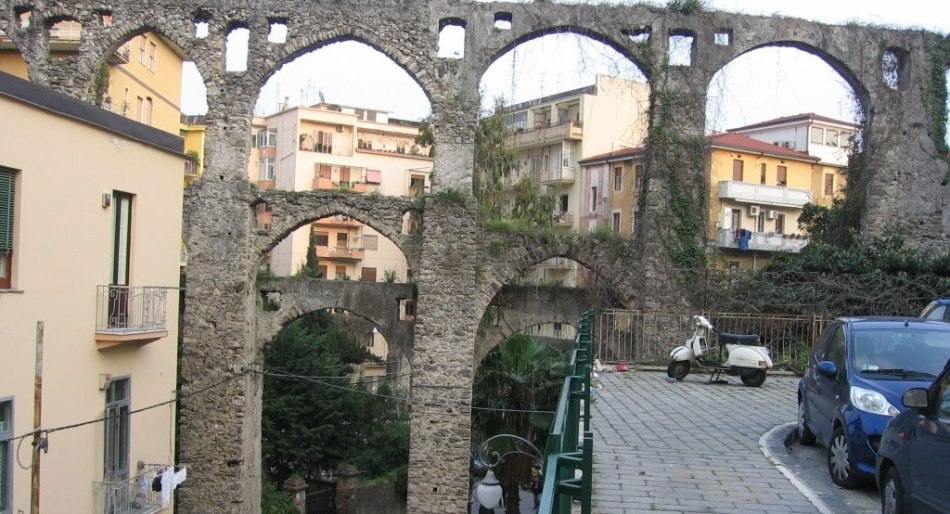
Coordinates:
[340,252]
[560,175]
[763,241]
[763,195]
[126,314]
[542,135]
[132,496]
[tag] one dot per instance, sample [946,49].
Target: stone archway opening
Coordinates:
[784,125]
[332,401]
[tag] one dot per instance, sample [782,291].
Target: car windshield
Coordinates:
[900,352]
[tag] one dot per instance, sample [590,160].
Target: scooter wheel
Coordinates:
[678,369]
[753,378]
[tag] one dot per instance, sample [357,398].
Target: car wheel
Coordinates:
[753,378]
[805,435]
[839,461]
[678,369]
[892,493]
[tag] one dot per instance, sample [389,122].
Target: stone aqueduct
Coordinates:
[456,276]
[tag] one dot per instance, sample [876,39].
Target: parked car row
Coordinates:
[876,394]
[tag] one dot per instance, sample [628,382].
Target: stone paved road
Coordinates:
[689,447]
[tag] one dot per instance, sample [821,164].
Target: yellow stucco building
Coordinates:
[142,77]
[756,194]
[90,273]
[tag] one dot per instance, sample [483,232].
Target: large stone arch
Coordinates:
[517,308]
[292,210]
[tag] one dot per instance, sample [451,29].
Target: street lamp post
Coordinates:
[489,491]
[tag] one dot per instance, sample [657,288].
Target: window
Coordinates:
[737,170]
[557,330]
[593,198]
[781,176]
[638,172]
[616,222]
[368,274]
[817,135]
[563,203]
[342,238]
[143,42]
[618,178]
[340,271]
[321,239]
[780,224]
[831,137]
[147,111]
[121,250]
[139,107]
[370,242]
[762,175]
[323,142]
[151,56]
[7,197]
[634,215]
[6,433]
[735,218]
[266,138]
[829,184]
[117,428]
[267,168]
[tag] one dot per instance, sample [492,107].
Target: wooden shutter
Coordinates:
[7,193]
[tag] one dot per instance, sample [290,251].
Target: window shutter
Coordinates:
[7,190]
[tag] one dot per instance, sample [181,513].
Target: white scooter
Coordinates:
[744,356]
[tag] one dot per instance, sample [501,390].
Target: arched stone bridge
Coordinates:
[455,279]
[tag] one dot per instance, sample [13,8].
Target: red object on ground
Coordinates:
[622,367]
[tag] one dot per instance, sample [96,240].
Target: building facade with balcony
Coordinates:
[141,80]
[756,195]
[828,139]
[89,278]
[339,148]
[551,134]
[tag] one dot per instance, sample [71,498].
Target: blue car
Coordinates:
[938,309]
[857,372]
[913,461]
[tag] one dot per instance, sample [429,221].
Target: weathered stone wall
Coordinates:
[456,277]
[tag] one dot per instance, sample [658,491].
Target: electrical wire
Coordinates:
[103,419]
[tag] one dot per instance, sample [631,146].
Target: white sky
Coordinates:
[763,84]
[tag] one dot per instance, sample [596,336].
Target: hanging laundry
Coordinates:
[167,478]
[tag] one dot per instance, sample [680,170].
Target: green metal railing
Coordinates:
[569,458]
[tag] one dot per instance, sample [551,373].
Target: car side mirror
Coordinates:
[828,369]
[915,398]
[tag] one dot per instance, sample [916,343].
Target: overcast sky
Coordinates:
[763,84]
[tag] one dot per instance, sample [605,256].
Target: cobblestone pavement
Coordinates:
[689,446]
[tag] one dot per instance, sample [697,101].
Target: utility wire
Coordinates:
[178,396]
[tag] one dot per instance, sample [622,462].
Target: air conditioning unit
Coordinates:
[771,215]
[754,210]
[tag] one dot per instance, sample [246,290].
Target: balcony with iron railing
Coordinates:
[558,175]
[132,496]
[523,138]
[763,195]
[350,253]
[763,241]
[130,315]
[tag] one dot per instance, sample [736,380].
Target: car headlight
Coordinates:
[872,401]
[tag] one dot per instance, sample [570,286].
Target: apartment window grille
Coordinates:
[7,197]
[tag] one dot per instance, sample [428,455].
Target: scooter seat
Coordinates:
[746,339]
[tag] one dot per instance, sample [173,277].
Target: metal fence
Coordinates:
[568,455]
[132,496]
[123,309]
[648,336]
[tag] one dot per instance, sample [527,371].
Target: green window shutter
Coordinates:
[7,190]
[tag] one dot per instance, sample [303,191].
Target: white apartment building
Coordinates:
[334,147]
[819,136]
